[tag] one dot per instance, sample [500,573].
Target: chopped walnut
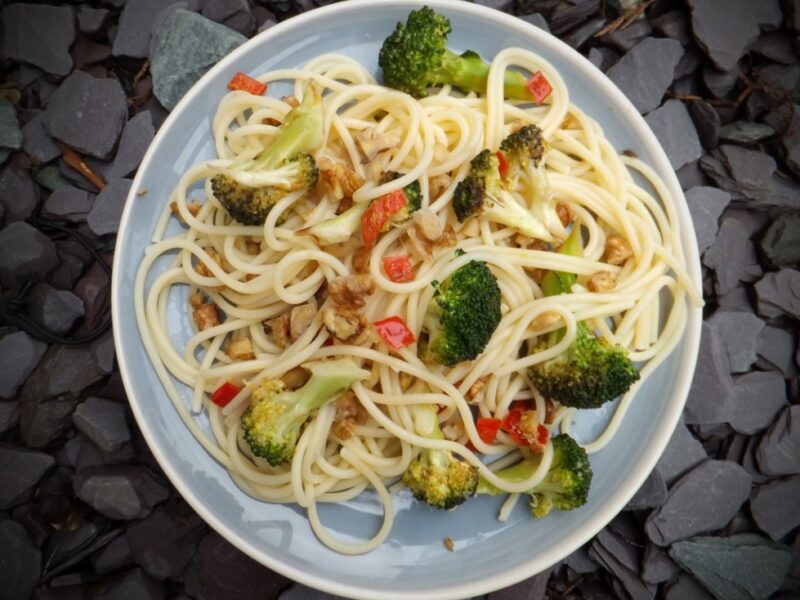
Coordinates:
[448,237]
[342,324]
[279,327]
[240,349]
[617,250]
[417,245]
[295,378]
[600,282]
[570,122]
[529,428]
[201,267]
[453,429]
[545,320]
[344,205]
[361,258]
[205,316]
[349,414]
[439,184]
[351,291]
[193,206]
[291,101]
[449,544]
[253,248]
[196,299]
[471,228]
[474,391]
[427,224]
[339,180]
[565,213]
[549,411]
[300,318]
[374,169]
[372,142]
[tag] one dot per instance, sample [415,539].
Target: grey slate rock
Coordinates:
[298,591]
[63,370]
[706,205]
[104,352]
[718,82]
[768,14]
[580,563]
[745,132]
[20,561]
[706,120]
[22,470]
[115,555]
[136,137]
[184,46]
[758,398]
[56,310]
[17,193]
[683,452]
[24,252]
[135,584]
[40,35]
[137,21]
[120,492]
[773,509]
[44,421]
[703,500]
[712,387]
[10,133]
[740,333]
[104,422]
[686,587]
[536,19]
[674,129]
[533,588]
[238,15]
[740,567]
[674,24]
[691,175]
[107,210]
[777,347]
[68,272]
[778,452]
[69,203]
[36,143]
[626,38]
[87,113]
[50,178]
[9,415]
[621,559]
[652,493]
[645,72]
[724,29]
[781,241]
[732,256]
[81,454]
[657,566]
[569,15]
[779,293]
[19,355]
[92,20]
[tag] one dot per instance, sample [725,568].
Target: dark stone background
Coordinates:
[85,510]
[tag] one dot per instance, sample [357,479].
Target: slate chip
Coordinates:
[238,15]
[706,205]
[107,210]
[739,567]
[781,241]
[184,46]
[9,415]
[92,20]
[40,35]
[56,310]
[657,566]
[136,23]
[135,584]
[740,333]
[778,452]
[36,143]
[724,29]
[22,470]
[718,82]
[745,132]
[686,587]
[703,500]
[621,559]
[127,492]
[712,387]
[772,509]
[115,555]
[683,452]
[777,347]
[18,193]
[25,252]
[165,542]
[70,203]
[779,293]
[732,256]
[626,38]
[63,370]
[674,24]
[645,72]
[87,113]
[536,19]
[758,398]
[20,559]
[104,422]
[10,133]
[136,137]
[652,493]
[674,129]
[19,355]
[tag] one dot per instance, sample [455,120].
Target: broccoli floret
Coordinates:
[415,57]
[250,189]
[275,417]
[436,476]
[566,485]
[590,372]
[342,227]
[462,316]
[482,193]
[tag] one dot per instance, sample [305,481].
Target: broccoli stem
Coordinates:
[327,380]
[470,73]
[560,282]
[514,474]
[509,212]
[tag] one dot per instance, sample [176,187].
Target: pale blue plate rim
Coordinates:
[690,343]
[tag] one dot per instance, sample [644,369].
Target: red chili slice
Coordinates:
[378,213]
[487,428]
[245,83]
[398,268]
[503,166]
[394,331]
[539,87]
[225,393]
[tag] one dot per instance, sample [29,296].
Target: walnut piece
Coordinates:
[529,429]
[439,184]
[349,414]
[339,180]
[545,320]
[565,213]
[617,250]
[342,324]
[279,326]
[453,429]
[350,292]
[201,267]
[474,391]
[361,258]
[300,318]
[427,224]
[193,206]
[372,142]
[601,281]
[205,316]
[374,169]
[240,349]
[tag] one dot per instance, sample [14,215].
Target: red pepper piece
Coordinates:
[503,166]
[245,83]
[225,393]
[379,212]
[398,268]
[539,87]
[394,331]
[487,428]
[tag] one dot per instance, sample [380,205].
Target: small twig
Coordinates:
[140,73]
[625,19]
[74,160]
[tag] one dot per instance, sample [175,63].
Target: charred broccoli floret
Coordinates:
[436,476]
[248,190]
[382,218]
[415,57]
[590,372]
[276,416]
[462,316]
[566,485]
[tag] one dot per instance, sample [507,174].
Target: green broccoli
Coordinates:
[566,485]
[250,189]
[436,476]
[590,372]
[462,316]
[415,57]
[275,417]
[342,227]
